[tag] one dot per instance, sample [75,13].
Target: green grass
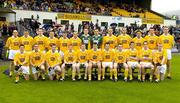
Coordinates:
[107,91]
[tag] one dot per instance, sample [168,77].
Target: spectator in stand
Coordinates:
[4,29]
[72,27]
[66,26]
[1,45]
[56,6]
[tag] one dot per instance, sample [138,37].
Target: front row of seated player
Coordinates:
[56,65]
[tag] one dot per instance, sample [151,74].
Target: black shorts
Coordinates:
[17,68]
[158,64]
[68,65]
[120,65]
[82,66]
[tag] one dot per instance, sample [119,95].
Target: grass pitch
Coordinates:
[106,91]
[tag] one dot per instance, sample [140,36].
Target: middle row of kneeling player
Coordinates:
[56,63]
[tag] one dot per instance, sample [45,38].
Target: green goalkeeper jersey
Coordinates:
[97,39]
[86,39]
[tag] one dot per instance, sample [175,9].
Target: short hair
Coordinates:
[151,28]
[138,31]
[96,29]
[160,44]
[120,44]
[94,43]
[21,45]
[40,28]
[53,45]
[131,42]
[165,27]
[110,29]
[145,42]
[107,43]
[26,30]
[70,44]
[75,33]
[65,32]
[83,44]
[35,44]
[15,30]
[124,28]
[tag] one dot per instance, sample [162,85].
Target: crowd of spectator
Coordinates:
[131,8]
[68,6]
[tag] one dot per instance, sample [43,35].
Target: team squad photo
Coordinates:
[51,57]
[89,51]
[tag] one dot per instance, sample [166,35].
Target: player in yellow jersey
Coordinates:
[152,40]
[133,61]
[107,61]
[120,58]
[64,42]
[51,40]
[12,45]
[76,41]
[138,40]
[27,41]
[111,39]
[83,60]
[146,60]
[124,39]
[167,41]
[160,61]
[21,63]
[95,57]
[70,59]
[41,40]
[37,60]
[53,60]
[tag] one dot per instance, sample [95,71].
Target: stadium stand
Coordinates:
[81,6]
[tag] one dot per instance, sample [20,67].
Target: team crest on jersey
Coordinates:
[110,42]
[124,41]
[151,41]
[64,44]
[94,57]
[37,57]
[26,43]
[161,57]
[22,59]
[120,57]
[146,55]
[82,57]
[52,58]
[166,41]
[16,43]
[40,42]
[75,44]
[51,44]
[138,44]
[133,55]
[107,56]
[70,58]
